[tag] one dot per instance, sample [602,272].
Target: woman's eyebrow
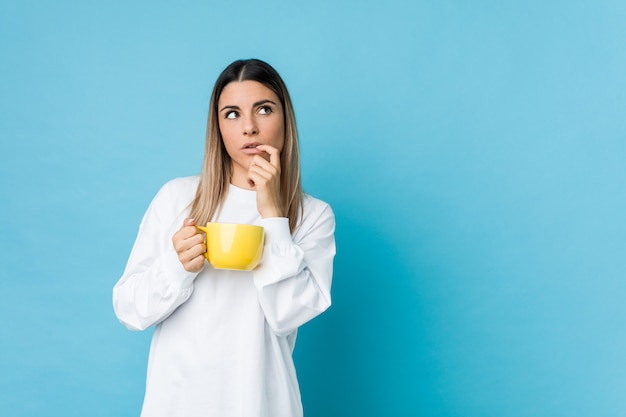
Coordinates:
[258,103]
[233,107]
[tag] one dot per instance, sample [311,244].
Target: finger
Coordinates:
[191,257]
[195,240]
[260,165]
[260,172]
[259,161]
[273,153]
[188,229]
[186,232]
[265,172]
[193,252]
[194,265]
[260,179]
[183,240]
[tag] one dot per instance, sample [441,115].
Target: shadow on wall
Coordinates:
[363,357]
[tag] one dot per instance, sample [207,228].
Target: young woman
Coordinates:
[224,339]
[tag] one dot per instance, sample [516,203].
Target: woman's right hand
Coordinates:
[190,247]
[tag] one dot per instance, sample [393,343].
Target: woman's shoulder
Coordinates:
[172,201]
[314,209]
[317,219]
[313,203]
[177,192]
[181,186]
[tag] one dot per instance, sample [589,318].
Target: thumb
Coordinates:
[189,222]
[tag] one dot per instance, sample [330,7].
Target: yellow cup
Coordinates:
[233,246]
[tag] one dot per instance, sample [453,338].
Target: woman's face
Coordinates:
[249,114]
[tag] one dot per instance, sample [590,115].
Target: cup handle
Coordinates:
[206,231]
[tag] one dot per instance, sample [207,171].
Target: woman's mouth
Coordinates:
[251,148]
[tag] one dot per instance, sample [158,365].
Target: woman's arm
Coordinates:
[294,280]
[154,282]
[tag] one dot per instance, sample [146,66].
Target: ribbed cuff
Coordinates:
[276,230]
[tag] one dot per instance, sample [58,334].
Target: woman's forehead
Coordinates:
[246,91]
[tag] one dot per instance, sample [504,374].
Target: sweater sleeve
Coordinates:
[154,282]
[294,279]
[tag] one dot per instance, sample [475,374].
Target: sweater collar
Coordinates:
[246,196]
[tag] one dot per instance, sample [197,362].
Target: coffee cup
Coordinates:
[233,246]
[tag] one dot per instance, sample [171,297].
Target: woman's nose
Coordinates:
[250,127]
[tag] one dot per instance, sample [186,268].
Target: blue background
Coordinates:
[473,153]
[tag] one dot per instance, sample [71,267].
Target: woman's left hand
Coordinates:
[264,176]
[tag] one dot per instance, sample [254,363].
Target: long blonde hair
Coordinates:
[217,164]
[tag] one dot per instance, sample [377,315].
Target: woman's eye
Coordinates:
[231,115]
[265,110]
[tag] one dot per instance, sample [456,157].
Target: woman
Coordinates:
[223,340]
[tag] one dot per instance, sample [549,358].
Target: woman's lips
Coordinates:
[251,148]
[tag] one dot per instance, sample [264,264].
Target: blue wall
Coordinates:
[474,153]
